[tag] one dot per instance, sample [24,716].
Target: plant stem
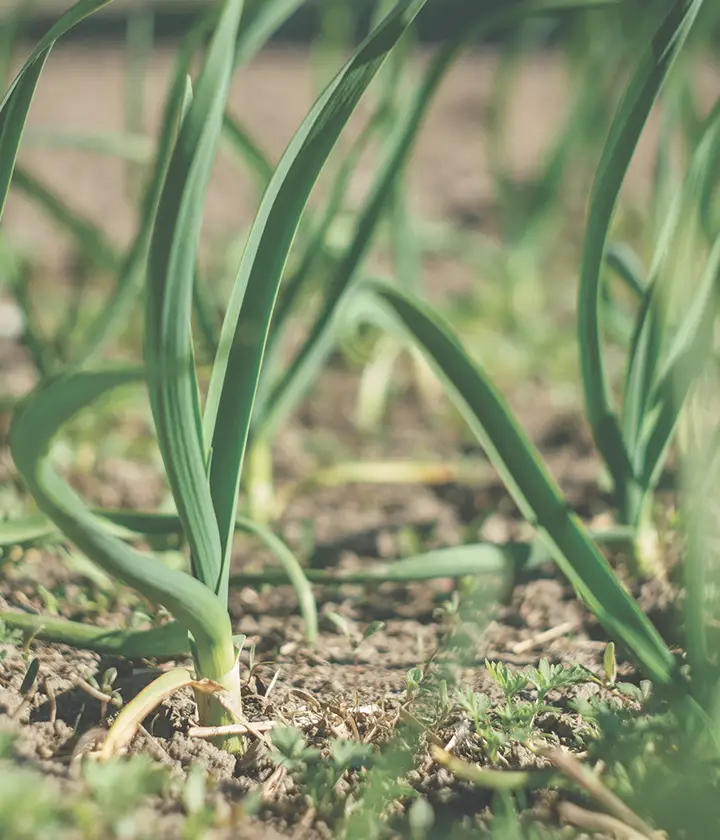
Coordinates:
[223,709]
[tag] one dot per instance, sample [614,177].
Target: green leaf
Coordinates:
[247,148]
[30,676]
[610,664]
[237,367]
[689,355]
[259,26]
[89,237]
[628,267]
[253,35]
[295,286]
[372,628]
[653,356]
[16,103]
[34,425]
[169,354]
[133,148]
[302,372]
[534,491]
[292,569]
[629,121]
[131,271]
[169,641]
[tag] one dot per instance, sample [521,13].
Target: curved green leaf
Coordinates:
[133,266]
[297,283]
[34,425]
[648,350]
[165,642]
[259,26]
[252,37]
[293,572]
[688,357]
[630,118]
[245,147]
[171,272]
[134,148]
[531,486]
[236,371]
[299,375]
[16,103]
[483,559]
[89,237]
[627,265]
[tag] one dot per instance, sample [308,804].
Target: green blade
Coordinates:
[688,357]
[484,559]
[139,44]
[16,103]
[34,425]
[92,242]
[30,529]
[240,141]
[166,642]
[296,284]
[299,375]
[236,371]
[481,558]
[168,344]
[260,25]
[630,118]
[131,271]
[303,370]
[13,117]
[647,350]
[293,572]
[531,486]
[133,148]
[627,265]
[89,237]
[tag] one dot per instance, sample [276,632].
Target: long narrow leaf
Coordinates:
[260,25]
[472,21]
[166,642]
[16,103]
[236,371]
[168,346]
[293,572]
[688,357]
[134,148]
[630,118]
[131,272]
[248,149]
[628,267]
[531,486]
[89,237]
[33,428]
[295,285]
[646,351]
[486,560]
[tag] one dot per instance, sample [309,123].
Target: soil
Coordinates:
[334,689]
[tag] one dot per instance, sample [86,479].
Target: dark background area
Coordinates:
[435,23]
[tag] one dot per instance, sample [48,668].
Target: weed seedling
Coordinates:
[546,677]
[511,682]
[317,775]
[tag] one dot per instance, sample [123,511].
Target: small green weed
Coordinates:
[106,803]
[318,775]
